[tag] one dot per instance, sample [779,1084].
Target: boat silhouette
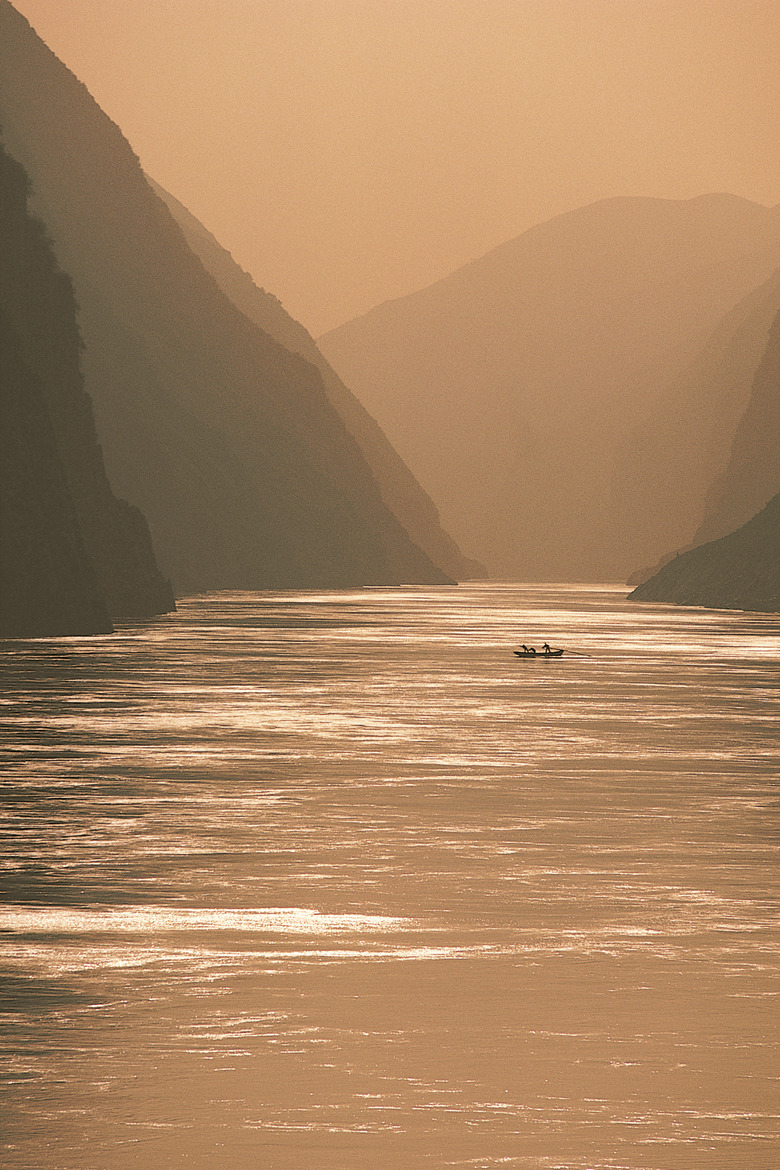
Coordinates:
[526,653]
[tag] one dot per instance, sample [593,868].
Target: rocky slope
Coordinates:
[512,386]
[226,440]
[738,571]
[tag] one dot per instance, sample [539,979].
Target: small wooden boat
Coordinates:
[539,653]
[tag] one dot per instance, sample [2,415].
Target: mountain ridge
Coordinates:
[509,385]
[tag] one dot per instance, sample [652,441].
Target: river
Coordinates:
[334,881]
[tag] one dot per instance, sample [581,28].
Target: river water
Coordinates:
[333,881]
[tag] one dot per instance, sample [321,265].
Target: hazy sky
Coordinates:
[349,151]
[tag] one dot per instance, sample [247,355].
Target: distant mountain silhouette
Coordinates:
[512,386]
[663,481]
[738,571]
[226,440]
[71,554]
[752,475]
[400,490]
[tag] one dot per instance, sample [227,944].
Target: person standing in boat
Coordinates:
[547,649]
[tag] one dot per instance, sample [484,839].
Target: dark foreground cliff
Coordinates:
[224,438]
[739,571]
[47,585]
[71,554]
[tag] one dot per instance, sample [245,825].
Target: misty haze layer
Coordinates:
[352,151]
[400,490]
[752,474]
[733,561]
[73,555]
[513,388]
[685,443]
[227,441]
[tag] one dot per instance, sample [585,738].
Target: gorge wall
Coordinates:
[72,554]
[400,490]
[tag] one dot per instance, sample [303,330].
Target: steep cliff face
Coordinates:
[400,490]
[70,553]
[225,439]
[511,387]
[738,571]
[47,585]
[40,311]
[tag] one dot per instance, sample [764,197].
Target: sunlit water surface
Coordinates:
[319,881]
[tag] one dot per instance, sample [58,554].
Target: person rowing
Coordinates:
[546,652]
